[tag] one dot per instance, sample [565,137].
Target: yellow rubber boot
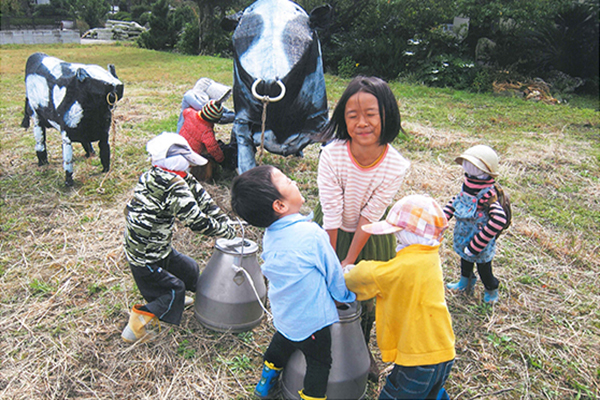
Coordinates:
[136,328]
[305,397]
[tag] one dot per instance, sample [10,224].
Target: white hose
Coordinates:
[237,269]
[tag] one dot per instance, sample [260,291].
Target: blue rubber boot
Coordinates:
[490,296]
[464,285]
[442,395]
[266,386]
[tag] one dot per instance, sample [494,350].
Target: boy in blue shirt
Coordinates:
[304,273]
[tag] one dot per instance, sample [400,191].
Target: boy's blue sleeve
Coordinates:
[329,265]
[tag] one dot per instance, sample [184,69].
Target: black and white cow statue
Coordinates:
[75,99]
[277,61]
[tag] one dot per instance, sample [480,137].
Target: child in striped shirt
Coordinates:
[359,174]
[479,219]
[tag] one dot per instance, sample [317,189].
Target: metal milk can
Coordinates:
[350,360]
[229,288]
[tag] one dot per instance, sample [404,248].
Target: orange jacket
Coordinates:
[200,135]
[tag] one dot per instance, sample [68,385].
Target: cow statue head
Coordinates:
[277,65]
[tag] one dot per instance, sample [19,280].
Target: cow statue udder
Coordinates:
[277,60]
[75,99]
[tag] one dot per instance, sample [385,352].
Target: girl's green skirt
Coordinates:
[378,247]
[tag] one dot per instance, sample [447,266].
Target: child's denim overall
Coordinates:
[469,222]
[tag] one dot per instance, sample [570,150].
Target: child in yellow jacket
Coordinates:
[414,329]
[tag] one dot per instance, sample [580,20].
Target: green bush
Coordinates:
[375,33]
[49,10]
[121,16]
[166,24]
[138,11]
[347,67]
[189,41]
[449,71]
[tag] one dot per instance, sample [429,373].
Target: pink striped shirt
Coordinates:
[348,191]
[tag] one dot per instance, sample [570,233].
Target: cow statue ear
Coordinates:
[321,17]
[82,74]
[112,70]
[230,22]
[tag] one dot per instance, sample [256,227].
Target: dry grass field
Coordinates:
[66,289]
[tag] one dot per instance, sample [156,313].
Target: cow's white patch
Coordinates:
[267,57]
[36,87]
[53,65]
[96,72]
[74,115]
[58,94]
[38,134]
[54,125]
[67,152]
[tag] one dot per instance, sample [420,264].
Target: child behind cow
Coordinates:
[162,194]
[198,130]
[414,328]
[304,273]
[477,227]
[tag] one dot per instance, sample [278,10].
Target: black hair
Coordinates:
[253,194]
[388,110]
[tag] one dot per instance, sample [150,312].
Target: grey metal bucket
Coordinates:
[225,298]
[350,361]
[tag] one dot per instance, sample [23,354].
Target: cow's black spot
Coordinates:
[296,38]
[248,31]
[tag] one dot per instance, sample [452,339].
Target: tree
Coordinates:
[166,25]
[212,39]
[93,12]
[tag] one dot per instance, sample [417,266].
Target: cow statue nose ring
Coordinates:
[109,100]
[265,101]
[266,98]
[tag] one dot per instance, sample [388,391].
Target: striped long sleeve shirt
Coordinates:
[348,190]
[158,199]
[497,221]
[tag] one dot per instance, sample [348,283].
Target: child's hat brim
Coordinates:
[380,228]
[419,214]
[169,144]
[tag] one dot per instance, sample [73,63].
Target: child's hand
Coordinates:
[348,268]
[468,252]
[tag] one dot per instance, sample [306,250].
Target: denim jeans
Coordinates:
[421,382]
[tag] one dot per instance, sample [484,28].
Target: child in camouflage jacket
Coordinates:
[164,193]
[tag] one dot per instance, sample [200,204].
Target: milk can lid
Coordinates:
[234,246]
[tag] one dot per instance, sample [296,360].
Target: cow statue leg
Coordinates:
[67,148]
[245,146]
[89,149]
[104,154]
[39,133]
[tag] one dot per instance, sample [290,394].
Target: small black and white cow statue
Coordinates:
[75,99]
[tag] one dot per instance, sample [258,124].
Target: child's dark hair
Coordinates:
[253,194]
[388,110]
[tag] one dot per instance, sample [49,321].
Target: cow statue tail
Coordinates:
[27,114]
